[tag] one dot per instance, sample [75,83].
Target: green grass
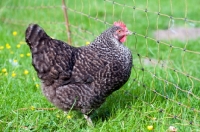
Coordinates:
[144,100]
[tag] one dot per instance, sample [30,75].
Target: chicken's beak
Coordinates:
[128,32]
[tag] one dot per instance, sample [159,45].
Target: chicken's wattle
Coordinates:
[123,39]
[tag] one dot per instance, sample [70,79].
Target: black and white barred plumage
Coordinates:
[79,78]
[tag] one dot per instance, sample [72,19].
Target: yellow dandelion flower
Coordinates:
[87,43]
[57,116]
[18,46]
[150,128]
[8,46]
[32,108]
[15,61]
[4,70]
[14,33]
[13,74]
[21,55]
[37,85]
[1,47]
[69,117]
[25,72]
[28,54]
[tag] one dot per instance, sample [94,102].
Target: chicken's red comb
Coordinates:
[120,24]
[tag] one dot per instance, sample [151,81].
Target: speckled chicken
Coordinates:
[80,78]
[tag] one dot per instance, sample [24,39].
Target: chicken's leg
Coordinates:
[89,121]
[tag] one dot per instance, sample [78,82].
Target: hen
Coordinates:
[80,78]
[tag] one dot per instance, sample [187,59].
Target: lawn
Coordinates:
[163,89]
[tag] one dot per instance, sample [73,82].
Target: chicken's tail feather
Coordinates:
[52,59]
[34,35]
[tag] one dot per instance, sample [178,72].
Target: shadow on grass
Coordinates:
[120,100]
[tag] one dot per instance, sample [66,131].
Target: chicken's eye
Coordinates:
[118,31]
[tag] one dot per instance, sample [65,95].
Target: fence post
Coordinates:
[66,21]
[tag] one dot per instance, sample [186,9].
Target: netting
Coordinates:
[165,47]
